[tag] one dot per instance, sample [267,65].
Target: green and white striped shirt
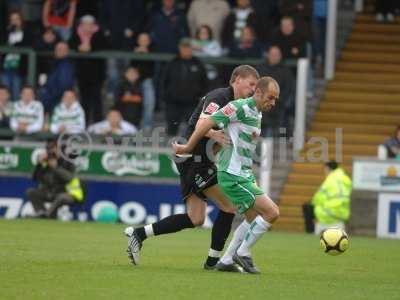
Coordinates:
[73,118]
[242,122]
[31,113]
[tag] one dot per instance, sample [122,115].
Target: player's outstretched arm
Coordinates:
[201,130]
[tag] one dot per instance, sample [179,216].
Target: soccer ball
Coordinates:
[334,241]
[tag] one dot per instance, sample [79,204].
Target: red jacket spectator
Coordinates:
[60,15]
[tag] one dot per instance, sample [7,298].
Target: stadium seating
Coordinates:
[363,99]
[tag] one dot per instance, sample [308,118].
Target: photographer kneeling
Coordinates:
[57,183]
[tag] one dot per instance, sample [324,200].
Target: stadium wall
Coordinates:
[136,203]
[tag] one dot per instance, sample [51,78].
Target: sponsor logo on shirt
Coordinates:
[229,110]
[211,108]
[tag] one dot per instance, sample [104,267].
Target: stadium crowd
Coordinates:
[74,94]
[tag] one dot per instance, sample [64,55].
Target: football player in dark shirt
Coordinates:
[198,176]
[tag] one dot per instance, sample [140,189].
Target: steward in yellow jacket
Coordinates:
[332,201]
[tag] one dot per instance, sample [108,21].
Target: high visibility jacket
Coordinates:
[74,188]
[332,201]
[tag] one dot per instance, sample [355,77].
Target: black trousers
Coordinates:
[308,214]
[91,101]
[385,6]
[39,197]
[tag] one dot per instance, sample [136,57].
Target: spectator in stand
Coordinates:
[241,16]
[146,70]
[291,42]
[247,46]
[184,83]
[204,44]
[208,12]
[167,26]
[385,10]
[60,78]
[129,95]
[143,43]
[14,65]
[46,42]
[113,125]
[301,11]
[68,116]
[267,18]
[122,21]
[319,30]
[393,145]
[60,15]
[274,67]
[5,107]
[27,116]
[90,72]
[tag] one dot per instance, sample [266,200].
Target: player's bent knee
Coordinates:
[271,215]
[274,214]
[197,219]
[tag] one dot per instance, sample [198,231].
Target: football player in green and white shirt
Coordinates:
[68,116]
[27,115]
[241,120]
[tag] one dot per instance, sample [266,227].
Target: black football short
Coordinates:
[196,177]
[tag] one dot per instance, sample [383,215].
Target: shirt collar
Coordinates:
[253,105]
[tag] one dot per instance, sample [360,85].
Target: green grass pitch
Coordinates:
[55,260]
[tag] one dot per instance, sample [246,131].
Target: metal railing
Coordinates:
[32,60]
[302,76]
[107,54]
[330,48]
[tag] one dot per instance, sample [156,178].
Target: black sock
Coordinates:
[167,225]
[219,235]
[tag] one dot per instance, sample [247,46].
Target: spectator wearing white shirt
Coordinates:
[113,125]
[27,116]
[68,116]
